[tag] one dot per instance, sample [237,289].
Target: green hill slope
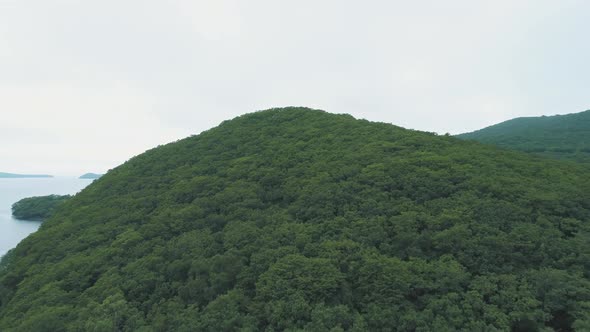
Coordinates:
[296,219]
[560,136]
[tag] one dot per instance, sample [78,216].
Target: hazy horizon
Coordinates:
[85,86]
[79,173]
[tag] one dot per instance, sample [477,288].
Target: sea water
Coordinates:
[12,231]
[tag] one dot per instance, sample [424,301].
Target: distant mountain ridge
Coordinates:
[22,176]
[560,136]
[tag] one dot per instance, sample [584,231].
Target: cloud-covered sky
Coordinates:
[85,85]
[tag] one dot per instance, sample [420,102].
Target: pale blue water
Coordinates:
[12,231]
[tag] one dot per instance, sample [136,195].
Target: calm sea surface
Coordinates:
[12,231]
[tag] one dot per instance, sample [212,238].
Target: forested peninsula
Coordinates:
[38,208]
[295,219]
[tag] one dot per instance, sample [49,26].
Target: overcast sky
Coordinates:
[85,85]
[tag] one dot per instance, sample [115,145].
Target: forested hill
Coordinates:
[560,136]
[296,219]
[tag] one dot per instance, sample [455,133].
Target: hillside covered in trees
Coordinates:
[561,136]
[296,219]
[38,208]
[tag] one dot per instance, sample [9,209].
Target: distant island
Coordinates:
[38,208]
[23,176]
[91,176]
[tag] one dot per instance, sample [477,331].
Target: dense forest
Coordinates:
[561,136]
[300,220]
[38,208]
